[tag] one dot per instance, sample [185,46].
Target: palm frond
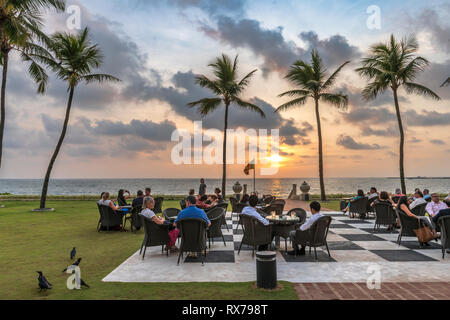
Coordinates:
[206,105]
[420,90]
[298,92]
[338,100]
[332,79]
[293,103]
[249,106]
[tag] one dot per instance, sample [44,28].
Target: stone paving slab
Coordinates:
[360,291]
[352,249]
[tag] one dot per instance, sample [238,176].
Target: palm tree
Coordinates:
[227,89]
[20,24]
[72,58]
[394,65]
[313,83]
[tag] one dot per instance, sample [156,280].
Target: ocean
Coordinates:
[277,187]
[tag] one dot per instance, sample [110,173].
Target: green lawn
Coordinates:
[42,242]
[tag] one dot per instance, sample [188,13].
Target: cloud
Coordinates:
[279,54]
[389,132]
[349,143]
[414,140]
[437,142]
[427,118]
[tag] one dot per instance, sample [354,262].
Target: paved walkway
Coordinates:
[388,291]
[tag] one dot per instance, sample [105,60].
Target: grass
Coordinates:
[42,242]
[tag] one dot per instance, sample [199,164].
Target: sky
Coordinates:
[158,47]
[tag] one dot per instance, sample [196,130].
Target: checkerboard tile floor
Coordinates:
[349,240]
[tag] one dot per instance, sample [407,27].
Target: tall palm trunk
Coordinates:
[319,129]
[5,54]
[58,147]
[402,142]
[224,163]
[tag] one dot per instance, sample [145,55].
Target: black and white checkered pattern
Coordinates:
[349,240]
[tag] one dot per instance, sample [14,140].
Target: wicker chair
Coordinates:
[171,213]
[155,235]
[216,216]
[193,236]
[135,220]
[299,213]
[444,224]
[255,233]
[100,219]
[224,206]
[419,210]
[384,215]
[407,225]
[110,218]
[317,235]
[268,199]
[370,208]
[158,205]
[359,206]
[183,204]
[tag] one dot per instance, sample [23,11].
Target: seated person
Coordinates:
[373,193]
[201,202]
[398,193]
[191,193]
[109,203]
[106,201]
[245,199]
[122,198]
[138,202]
[435,205]
[299,237]
[383,198]
[148,192]
[402,205]
[418,200]
[147,211]
[426,195]
[100,202]
[219,196]
[253,212]
[192,211]
[442,213]
[360,195]
[447,200]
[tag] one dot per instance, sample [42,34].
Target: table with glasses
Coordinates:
[282,226]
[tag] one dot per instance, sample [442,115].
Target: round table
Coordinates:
[281,227]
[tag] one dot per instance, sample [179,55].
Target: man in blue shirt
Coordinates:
[192,211]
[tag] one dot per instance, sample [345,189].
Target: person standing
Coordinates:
[202,189]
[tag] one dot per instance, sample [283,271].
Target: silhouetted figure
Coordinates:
[76,263]
[82,283]
[43,283]
[73,253]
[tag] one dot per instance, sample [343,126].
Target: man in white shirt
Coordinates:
[418,200]
[373,193]
[299,237]
[435,205]
[251,210]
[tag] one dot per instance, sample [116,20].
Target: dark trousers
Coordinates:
[299,237]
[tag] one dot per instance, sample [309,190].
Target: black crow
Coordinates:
[73,253]
[76,263]
[43,283]
[82,283]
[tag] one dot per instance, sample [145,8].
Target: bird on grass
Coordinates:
[43,282]
[76,263]
[82,283]
[73,253]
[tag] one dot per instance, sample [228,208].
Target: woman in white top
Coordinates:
[107,202]
[147,211]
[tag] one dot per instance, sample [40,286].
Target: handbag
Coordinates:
[424,234]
